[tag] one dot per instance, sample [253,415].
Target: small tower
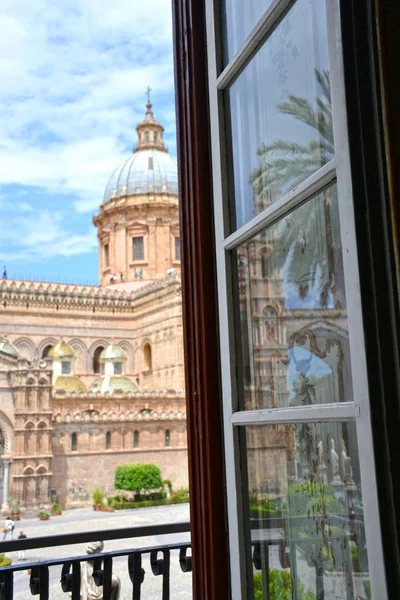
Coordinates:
[112,379]
[63,360]
[138,223]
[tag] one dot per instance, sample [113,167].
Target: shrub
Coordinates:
[168,483]
[280,587]
[355,558]
[138,477]
[367,589]
[56,508]
[98,496]
[178,497]
[4,561]
[43,514]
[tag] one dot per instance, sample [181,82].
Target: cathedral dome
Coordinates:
[69,383]
[8,348]
[61,350]
[150,170]
[114,384]
[112,352]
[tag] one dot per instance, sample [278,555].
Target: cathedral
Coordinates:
[92,377]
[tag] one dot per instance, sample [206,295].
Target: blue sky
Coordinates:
[73,82]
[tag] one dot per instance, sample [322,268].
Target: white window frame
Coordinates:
[337,170]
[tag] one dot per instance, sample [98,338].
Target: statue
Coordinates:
[334,461]
[320,452]
[348,470]
[89,590]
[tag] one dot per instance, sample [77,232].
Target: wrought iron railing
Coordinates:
[100,565]
[145,562]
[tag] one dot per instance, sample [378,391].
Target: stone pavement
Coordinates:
[81,520]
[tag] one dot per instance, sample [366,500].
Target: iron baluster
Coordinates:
[6,585]
[161,567]
[136,573]
[185,561]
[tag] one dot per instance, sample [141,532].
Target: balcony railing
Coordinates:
[100,566]
[272,547]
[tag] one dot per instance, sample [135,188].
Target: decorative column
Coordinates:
[6,464]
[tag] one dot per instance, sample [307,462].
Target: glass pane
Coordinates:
[278,113]
[292,306]
[239,18]
[306,512]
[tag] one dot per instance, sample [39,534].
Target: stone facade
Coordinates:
[69,441]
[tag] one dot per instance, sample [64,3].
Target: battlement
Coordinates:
[77,297]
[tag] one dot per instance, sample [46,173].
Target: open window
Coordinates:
[308,390]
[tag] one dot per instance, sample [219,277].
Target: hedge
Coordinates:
[180,497]
[138,477]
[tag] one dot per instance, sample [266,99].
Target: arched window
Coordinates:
[167,438]
[264,265]
[46,351]
[108,440]
[147,359]
[155,137]
[96,359]
[74,442]
[136,439]
[146,138]
[107,255]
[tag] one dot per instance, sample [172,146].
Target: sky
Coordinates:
[74,76]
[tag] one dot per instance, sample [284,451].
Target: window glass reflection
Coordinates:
[306,511]
[294,333]
[239,18]
[278,113]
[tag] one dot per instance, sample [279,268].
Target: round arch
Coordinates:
[44,344]
[94,355]
[147,355]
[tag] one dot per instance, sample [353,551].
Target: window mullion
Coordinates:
[301,193]
[267,23]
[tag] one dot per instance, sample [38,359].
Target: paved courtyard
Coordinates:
[81,520]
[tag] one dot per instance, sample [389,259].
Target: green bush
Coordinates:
[280,587]
[367,588]
[138,477]
[178,497]
[310,505]
[355,558]
[4,561]
[98,496]
[56,508]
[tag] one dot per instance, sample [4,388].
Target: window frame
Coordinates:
[337,171]
[367,102]
[142,250]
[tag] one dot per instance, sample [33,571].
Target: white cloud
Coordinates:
[74,76]
[40,234]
